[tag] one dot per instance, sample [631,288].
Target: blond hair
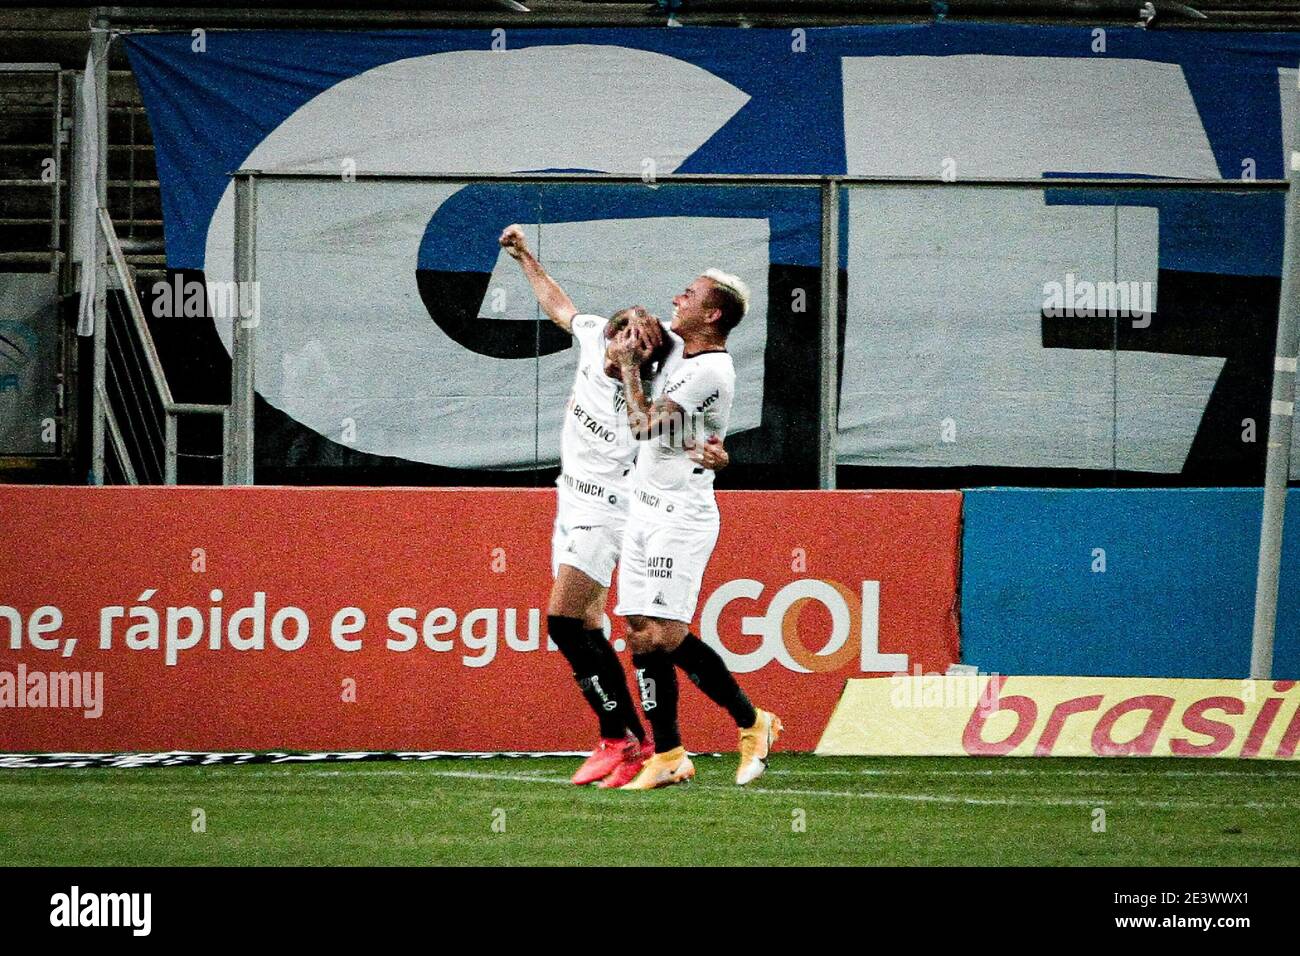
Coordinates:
[734,294]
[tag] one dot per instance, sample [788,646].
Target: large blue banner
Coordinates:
[1032,331]
[1121,583]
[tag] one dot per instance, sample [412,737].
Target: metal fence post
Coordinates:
[239,446]
[1282,409]
[99,50]
[56,197]
[828,422]
[227,476]
[169,448]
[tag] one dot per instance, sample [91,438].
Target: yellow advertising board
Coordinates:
[995,715]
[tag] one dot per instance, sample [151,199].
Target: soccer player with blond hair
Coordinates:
[673,525]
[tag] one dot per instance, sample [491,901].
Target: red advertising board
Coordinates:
[414,619]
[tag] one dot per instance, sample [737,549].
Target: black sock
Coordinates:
[613,680]
[657,681]
[574,643]
[709,673]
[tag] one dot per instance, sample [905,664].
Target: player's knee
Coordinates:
[565,603]
[658,637]
[637,636]
[593,615]
[669,635]
[559,605]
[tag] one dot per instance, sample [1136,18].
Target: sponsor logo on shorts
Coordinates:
[652,501]
[589,488]
[659,566]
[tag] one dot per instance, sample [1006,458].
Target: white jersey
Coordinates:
[597,450]
[667,484]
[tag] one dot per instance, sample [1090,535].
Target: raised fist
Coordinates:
[512,241]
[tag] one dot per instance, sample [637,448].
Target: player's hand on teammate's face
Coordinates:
[709,453]
[649,333]
[512,241]
[641,341]
[622,348]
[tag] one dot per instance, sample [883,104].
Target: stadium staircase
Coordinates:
[43,57]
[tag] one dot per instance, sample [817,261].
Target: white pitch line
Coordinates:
[940,798]
[1043,772]
[920,797]
[515,777]
[1036,802]
[281,773]
[523,777]
[1013,802]
[419,770]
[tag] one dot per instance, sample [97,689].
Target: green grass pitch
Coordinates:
[806,810]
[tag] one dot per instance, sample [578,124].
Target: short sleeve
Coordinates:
[589,330]
[698,388]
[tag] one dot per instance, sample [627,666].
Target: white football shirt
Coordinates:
[597,449]
[667,484]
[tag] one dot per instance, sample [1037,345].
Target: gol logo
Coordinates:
[855,627]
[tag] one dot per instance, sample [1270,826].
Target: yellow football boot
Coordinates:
[755,744]
[663,770]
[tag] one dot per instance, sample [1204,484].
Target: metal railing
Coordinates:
[831,189]
[141,418]
[243,385]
